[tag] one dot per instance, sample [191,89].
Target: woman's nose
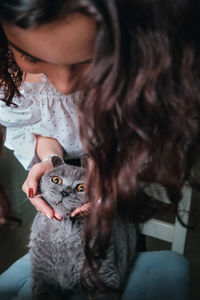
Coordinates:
[63,79]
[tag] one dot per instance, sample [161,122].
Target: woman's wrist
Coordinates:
[47,147]
[49,157]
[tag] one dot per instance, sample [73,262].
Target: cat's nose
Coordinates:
[64,193]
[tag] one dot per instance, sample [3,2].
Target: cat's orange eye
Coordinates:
[56,180]
[81,187]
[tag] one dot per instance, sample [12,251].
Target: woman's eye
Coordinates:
[81,187]
[56,180]
[82,64]
[30,60]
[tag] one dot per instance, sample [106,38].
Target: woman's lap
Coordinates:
[17,280]
[156,275]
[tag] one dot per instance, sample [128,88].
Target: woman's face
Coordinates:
[62,50]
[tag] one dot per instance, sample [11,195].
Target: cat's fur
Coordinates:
[57,248]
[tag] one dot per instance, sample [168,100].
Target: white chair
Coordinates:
[169,232]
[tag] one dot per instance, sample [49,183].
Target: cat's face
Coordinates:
[63,188]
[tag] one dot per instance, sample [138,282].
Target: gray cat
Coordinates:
[57,248]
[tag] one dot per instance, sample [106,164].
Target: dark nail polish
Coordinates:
[57,218]
[30,193]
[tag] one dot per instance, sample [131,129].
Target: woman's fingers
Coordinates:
[42,206]
[82,211]
[30,188]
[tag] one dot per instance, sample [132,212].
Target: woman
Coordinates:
[137,65]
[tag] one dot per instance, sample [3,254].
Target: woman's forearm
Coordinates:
[47,146]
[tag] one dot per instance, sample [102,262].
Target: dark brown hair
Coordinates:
[141,109]
[140,113]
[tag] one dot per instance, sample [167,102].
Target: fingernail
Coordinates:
[58,219]
[30,193]
[49,217]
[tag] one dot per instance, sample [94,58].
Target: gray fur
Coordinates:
[57,248]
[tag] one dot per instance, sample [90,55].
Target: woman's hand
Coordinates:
[82,211]
[30,187]
[45,147]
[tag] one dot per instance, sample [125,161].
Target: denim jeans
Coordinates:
[156,275]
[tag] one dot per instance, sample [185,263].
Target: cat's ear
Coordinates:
[84,161]
[56,161]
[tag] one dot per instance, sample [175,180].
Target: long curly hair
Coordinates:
[139,118]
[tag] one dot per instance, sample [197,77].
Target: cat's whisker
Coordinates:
[13,190]
[20,202]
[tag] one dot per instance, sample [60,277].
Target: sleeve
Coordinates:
[22,142]
[19,120]
[20,113]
